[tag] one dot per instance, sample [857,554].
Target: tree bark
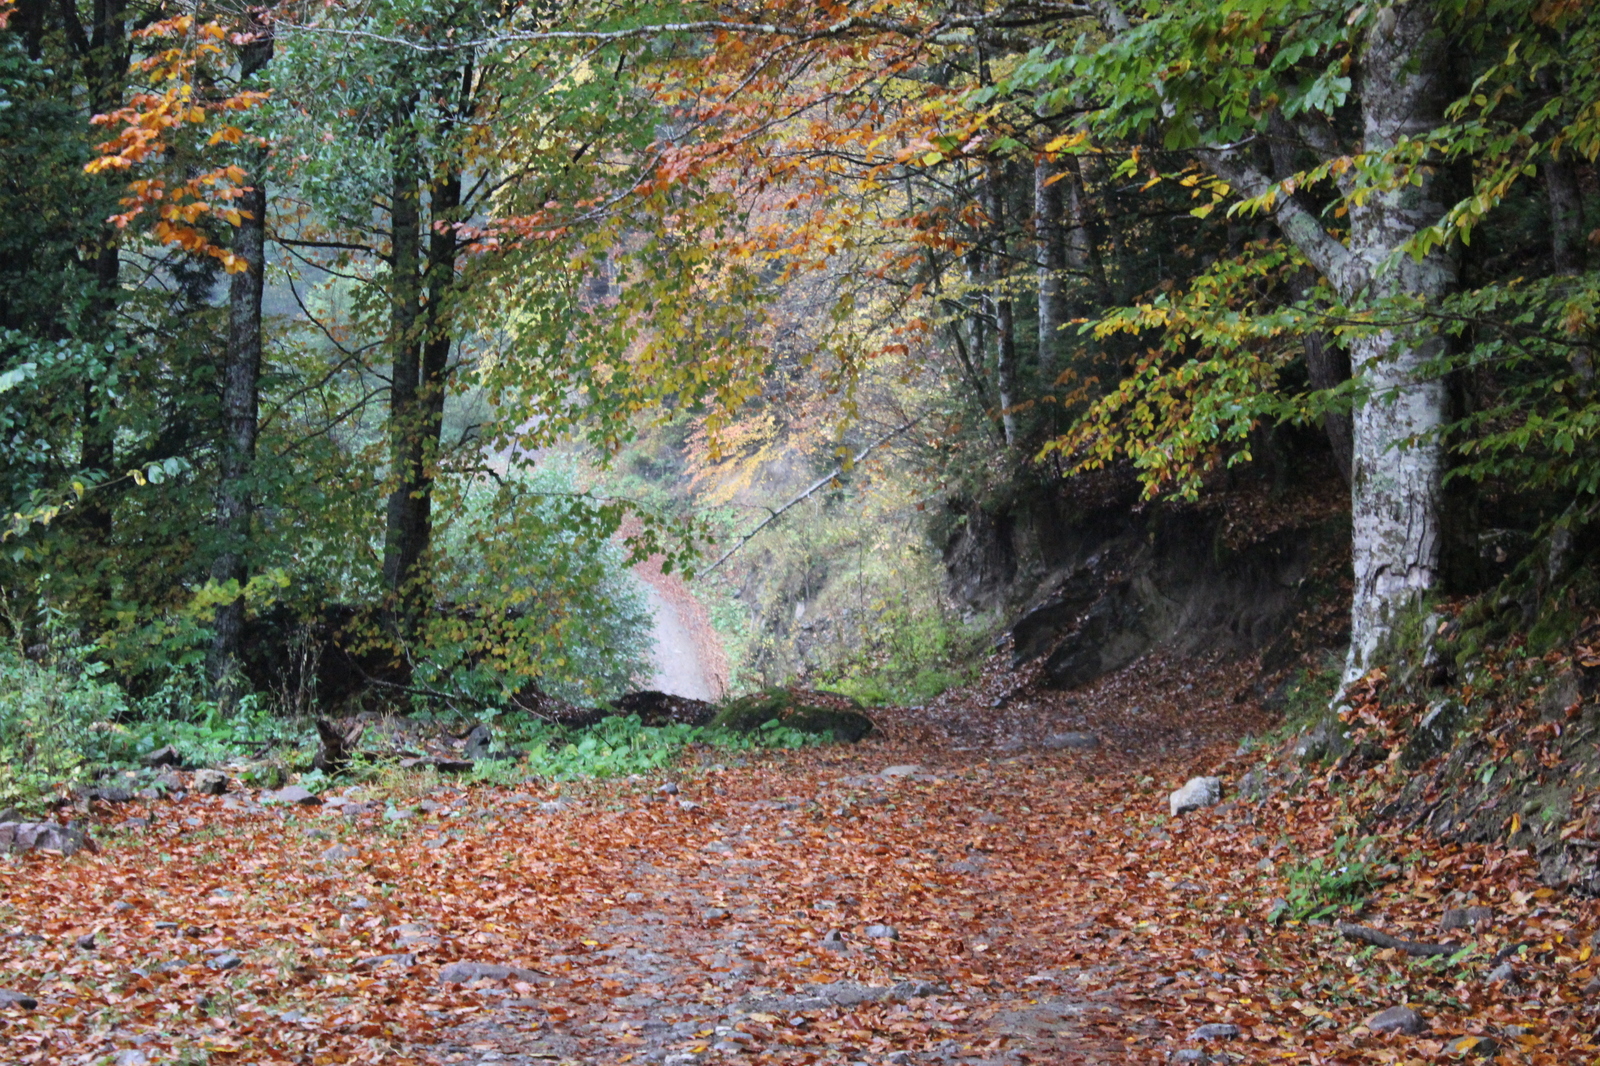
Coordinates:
[402,546]
[1004,314]
[101,49]
[1051,252]
[1083,244]
[241,379]
[1398,455]
[1328,367]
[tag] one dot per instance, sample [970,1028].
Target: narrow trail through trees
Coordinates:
[952,892]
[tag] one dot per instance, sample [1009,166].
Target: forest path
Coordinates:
[688,659]
[677,655]
[1045,910]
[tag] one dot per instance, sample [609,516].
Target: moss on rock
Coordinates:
[749,713]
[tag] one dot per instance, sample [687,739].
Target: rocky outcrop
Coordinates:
[1091,589]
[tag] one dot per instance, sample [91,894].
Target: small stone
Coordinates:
[340,852]
[1190,1054]
[226,961]
[1465,918]
[1476,1045]
[898,1058]
[713,914]
[399,814]
[669,789]
[833,940]
[1397,1020]
[121,905]
[552,806]
[881,932]
[373,962]
[681,1058]
[1198,792]
[900,771]
[688,805]
[210,782]
[43,836]
[131,1057]
[1216,1031]
[292,795]
[986,818]
[86,942]
[633,897]
[1503,972]
[9,998]
[1071,741]
[460,973]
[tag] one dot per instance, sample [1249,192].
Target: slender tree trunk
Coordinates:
[1051,253]
[101,49]
[241,378]
[1398,457]
[445,198]
[1005,364]
[1083,240]
[401,546]
[1328,367]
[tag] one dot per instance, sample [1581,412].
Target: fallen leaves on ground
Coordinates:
[1047,909]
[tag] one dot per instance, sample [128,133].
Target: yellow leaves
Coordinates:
[1065,141]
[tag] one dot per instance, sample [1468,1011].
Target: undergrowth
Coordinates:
[621,745]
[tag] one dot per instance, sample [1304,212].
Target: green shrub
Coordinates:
[54,717]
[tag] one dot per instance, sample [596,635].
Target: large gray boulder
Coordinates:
[43,836]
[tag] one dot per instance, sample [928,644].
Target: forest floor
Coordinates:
[1045,908]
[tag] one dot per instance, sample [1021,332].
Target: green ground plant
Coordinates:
[1324,884]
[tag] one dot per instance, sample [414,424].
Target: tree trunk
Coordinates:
[102,51]
[402,543]
[1398,456]
[1083,242]
[445,198]
[1005,365]
[241,377]
[1051,253]
[1328,367]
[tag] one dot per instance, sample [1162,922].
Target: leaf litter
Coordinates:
[1031,905]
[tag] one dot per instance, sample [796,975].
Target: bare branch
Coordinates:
[1331,258]
[825,479]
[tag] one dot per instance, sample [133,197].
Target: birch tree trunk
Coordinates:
[241,380]
[1005,330]
[1398,456]
[1051,256]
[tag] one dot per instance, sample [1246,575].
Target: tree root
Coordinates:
[1368,935]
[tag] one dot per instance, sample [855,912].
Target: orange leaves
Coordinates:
[159,131]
